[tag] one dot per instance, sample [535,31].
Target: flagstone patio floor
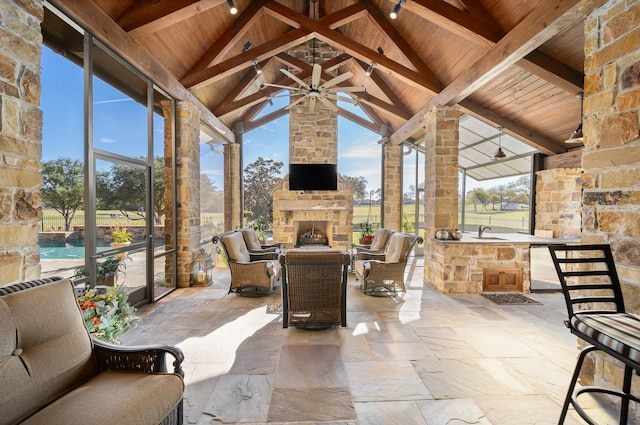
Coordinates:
[418,358]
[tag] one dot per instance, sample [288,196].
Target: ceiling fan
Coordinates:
[316,91]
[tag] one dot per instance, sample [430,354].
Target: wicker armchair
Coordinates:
[252,274]
[383,274]
[378,246]
[253,243]
[314,285]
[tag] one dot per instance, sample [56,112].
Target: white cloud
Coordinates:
[107,140]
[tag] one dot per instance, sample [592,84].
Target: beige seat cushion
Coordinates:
[396,248]
[237,248]
[46,350]
[251,239]
[115,398]
[379,239]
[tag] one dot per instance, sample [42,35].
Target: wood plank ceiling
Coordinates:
[514,63]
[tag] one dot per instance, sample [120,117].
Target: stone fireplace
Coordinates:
[313,139]
[296,213]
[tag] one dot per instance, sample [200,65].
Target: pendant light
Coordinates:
[576,136]
[499,153]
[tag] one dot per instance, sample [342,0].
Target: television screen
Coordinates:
[313,177]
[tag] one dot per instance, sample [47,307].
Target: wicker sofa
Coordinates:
[53,372]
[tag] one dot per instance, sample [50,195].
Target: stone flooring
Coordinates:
[419,358]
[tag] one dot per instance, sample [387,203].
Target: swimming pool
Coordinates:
[70,250]
[66,250]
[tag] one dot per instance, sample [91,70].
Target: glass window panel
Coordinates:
[119,107]
[61,238]
[211,188]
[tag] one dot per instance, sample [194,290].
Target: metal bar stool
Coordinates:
[597,315]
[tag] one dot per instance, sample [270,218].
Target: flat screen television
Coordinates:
[313,177]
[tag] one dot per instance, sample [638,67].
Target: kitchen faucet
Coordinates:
[481,230]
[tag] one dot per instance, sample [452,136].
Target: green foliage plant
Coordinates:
[106,314]
[120,235]
[104,269]
[367,230]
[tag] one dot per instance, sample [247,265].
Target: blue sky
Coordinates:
[120,127]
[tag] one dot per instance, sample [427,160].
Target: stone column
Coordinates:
[20,141]
[188,187]
[232,195]
[392,202]
[611,156]
[441,185]
[558,197]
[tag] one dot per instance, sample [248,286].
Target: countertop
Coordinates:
[508,238]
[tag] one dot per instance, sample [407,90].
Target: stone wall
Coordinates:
[334,207]
[392,187]
[611,157]
[232,204]
[558,199]
[313,139]
[20,140]
[188,188]
[441,185]
[457,268]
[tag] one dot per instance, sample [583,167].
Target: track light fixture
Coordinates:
[576,137]
[396,9]
[256,66]
[246,46]
[232,7]
[369,70]
[499,153]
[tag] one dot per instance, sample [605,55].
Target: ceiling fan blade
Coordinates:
[292,104]
[315,76]
[296,79]
[341,98]
[312,104]
[328,104]
[279,86]
[345,89]
[340,78]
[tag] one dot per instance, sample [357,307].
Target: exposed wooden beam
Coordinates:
[384,26]
[336,39]
[149,15]
[478,10]
[243,60]
[524,134]
[227,40]
[455,21]
[258,122]
[264,51]
[388,91]
[338,18]
[375,127]
[94,19]
[541,24]
[553,71]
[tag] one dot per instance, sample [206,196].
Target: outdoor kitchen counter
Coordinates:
[510,238]
[462,266]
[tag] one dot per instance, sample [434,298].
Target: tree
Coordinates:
[260,177]
[359,186]
[63,187]
[514,192]
[123,188]
[478,196]
[211,199]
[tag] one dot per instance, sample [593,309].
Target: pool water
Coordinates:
[70,250]
[56,250]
